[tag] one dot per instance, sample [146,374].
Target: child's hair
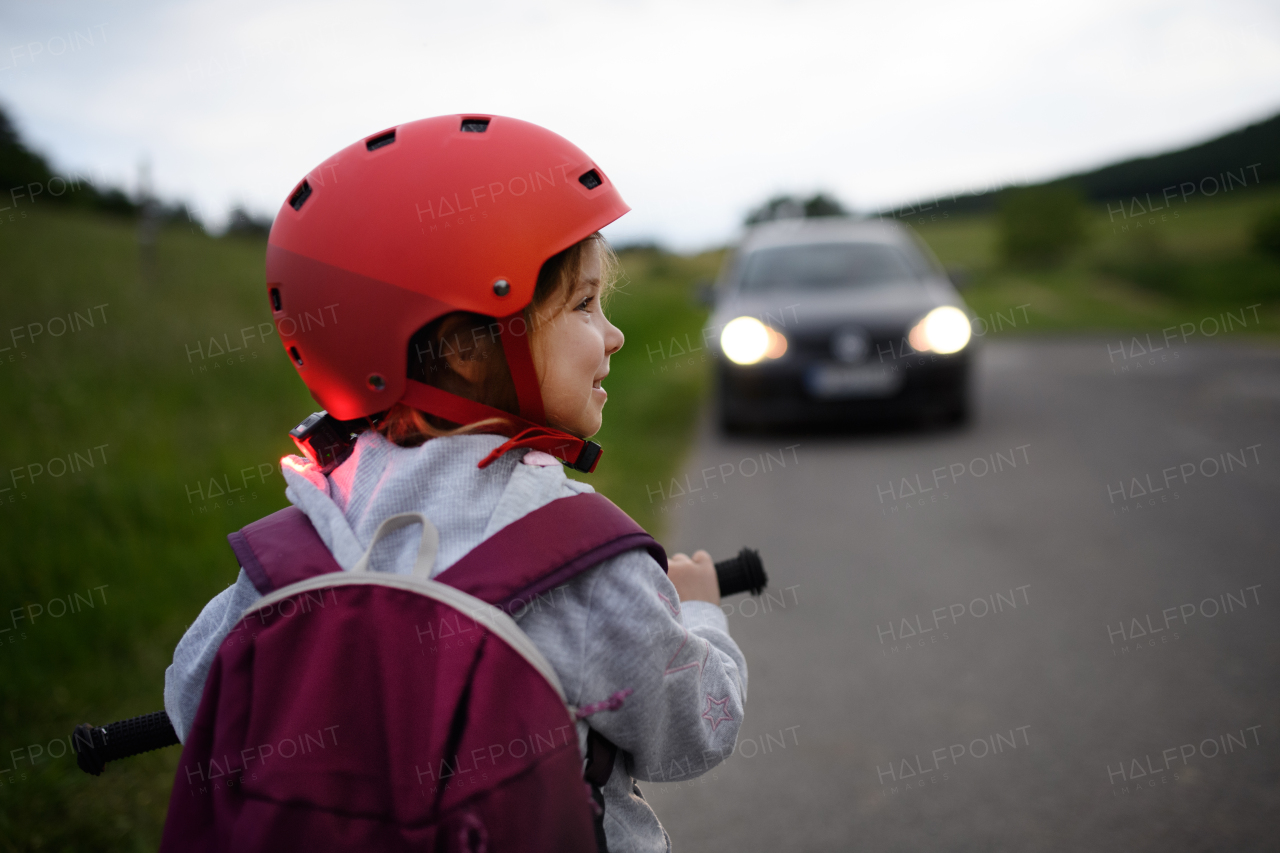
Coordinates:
[472,337]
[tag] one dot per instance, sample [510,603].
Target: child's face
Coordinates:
[571,350]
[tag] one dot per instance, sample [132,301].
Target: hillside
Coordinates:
[1244,157]
[1190,264]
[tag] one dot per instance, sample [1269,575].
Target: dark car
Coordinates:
[838,321]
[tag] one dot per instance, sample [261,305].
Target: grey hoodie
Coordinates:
[614,627]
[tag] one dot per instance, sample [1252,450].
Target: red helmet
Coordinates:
[453,213]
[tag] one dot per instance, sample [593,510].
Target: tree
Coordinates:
[822,204]
[19,165]
[245,224]
[793,207]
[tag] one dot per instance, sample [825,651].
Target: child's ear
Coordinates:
[465,355]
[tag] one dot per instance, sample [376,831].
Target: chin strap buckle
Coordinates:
[585,454]
[588,456]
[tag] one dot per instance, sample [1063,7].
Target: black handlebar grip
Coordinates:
[743,573]
[96,745]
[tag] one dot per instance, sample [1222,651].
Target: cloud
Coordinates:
[698,110]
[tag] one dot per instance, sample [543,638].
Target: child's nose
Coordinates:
[613,339]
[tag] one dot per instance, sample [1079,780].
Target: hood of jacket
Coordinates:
[439,479]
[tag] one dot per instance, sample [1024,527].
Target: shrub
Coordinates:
[1040,225]
[1266,233]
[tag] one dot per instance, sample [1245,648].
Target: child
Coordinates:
[460,261]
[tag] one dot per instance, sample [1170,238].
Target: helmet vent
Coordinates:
[475,125]
[295,355]
[373,143]
[300,195]
[590,179]
[275,299]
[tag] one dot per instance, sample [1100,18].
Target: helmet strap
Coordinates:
[515,346]
[578,453]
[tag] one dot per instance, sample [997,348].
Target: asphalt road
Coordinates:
[1053,630]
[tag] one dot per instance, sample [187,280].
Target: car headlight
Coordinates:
[746,340]
[943,330]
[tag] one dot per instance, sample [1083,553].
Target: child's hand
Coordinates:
[694,579]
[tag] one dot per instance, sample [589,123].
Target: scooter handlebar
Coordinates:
[96,745]
[743,573]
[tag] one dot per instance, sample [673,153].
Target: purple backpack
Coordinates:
[359,710]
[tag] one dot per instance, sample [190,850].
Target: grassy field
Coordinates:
[151,396]
[1135,273]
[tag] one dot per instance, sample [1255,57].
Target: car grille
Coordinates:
[817,346]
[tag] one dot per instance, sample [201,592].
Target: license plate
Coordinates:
[863,380]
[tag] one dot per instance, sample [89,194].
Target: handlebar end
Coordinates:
[88,742]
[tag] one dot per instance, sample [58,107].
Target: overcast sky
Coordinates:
[697,110]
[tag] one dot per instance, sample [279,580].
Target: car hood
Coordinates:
[881,306]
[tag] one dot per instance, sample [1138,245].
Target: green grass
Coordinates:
[141,382]
[1178,265]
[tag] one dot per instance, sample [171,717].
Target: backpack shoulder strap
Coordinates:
[546,548]
[533,554]
[281,549]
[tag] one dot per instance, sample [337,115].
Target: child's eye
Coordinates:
[585,305]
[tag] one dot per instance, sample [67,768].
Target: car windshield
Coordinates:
[825,266]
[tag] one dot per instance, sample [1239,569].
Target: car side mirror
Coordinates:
[959,276]
[704,292]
